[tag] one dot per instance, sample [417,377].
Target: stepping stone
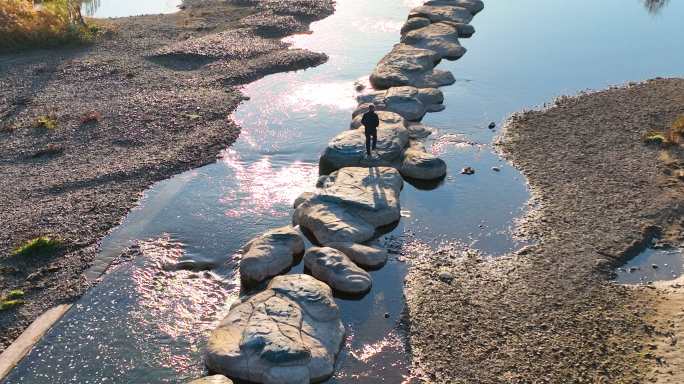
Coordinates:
[473,6]
[290,333]
[437,13]
[414,23]
[439,37]
[215,379]
[351,205]
[364,256]
[419,131]
[410,102]
[337,270]
[421,165]
[270,254]
[464,30]
[328,223]
[407,65]
[348,149]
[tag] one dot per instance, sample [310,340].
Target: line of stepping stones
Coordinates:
[291,332]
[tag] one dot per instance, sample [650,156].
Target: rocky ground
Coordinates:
[151,98]
[549,313]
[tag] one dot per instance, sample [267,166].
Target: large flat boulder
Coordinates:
[439,37]
[437,13]
[328,222]
[414,23]
[289,333]
[364,256]
[411,103]
[421,165]
[473,6]
[408,65]
[270,254]
[351,204]
[337,270]
[348,149]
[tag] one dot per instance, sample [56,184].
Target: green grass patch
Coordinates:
[14,294]
[9,304]
[40,246]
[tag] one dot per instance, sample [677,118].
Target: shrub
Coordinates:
[676,132]
[51,23]
[46,122]
[655,137]
[40,246]
[91,117]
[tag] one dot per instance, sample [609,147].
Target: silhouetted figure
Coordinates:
[370,123]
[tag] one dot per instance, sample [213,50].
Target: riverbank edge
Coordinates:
[549,312]
[61,278]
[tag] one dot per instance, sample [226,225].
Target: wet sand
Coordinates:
[162,88]
[550,313]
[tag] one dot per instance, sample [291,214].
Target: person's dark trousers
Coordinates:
[371,140]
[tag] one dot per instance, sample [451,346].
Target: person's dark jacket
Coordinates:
[370,121]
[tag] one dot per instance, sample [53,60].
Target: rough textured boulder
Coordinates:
[439,37]
[464,30]
[330,223]
[421,165]
[351,204]
[414,23]
[410,102]
[407,65]
[289,333]
[419,131]
[348,149]
[337,270]
[270,254]
[215,379]
[364,256]
[437,13]
[473,6]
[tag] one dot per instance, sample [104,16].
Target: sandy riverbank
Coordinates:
[161,88]
[550,313]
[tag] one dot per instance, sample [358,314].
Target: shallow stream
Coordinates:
[144,323]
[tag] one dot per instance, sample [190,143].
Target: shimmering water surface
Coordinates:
[146,322]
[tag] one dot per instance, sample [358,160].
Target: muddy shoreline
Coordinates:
[549,313]
[159,90]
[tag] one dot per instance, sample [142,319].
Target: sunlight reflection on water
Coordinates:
[339,95]
[261,187]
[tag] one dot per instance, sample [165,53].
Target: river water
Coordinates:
[145,323]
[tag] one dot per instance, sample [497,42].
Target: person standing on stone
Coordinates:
[370,123]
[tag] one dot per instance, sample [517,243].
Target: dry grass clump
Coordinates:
[45,122]
[676,131]
[47,24]
[672,136]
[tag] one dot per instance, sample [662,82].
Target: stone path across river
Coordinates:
[291,332]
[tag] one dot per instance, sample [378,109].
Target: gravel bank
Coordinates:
[150,99]
[549,313]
